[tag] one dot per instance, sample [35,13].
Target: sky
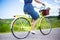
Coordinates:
[9,8]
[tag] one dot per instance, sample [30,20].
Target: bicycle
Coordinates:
[21,26]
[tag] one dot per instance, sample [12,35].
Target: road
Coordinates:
[54,35]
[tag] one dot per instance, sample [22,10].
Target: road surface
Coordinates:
[54,35]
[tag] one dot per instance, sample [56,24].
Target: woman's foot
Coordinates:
[33,32]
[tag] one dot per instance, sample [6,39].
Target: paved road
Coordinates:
[54,35]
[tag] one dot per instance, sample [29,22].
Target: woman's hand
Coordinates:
[43,4]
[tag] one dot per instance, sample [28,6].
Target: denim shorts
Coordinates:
[30,9]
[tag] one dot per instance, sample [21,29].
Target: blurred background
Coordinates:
[9,8]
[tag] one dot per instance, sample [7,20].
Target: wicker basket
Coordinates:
[45,12]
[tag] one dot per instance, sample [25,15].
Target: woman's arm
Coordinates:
[39,2]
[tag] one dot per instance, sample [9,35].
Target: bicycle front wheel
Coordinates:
[20,28]
[45,26]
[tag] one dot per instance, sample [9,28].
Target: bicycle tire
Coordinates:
[18,31]
[46,26]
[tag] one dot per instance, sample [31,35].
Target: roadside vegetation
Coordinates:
[5,24]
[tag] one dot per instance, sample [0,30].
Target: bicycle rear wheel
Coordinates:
[19,28]
[45,26]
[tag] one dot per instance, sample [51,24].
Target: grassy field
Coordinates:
[5,24]
[55,22]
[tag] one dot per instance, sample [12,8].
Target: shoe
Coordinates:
[33,32]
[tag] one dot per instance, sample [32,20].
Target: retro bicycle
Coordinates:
[21,25]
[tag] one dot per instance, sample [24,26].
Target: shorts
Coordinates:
[30,9]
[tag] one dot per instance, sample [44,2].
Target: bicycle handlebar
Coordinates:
[42,7]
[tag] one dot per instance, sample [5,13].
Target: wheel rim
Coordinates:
[19,28]
[45,27]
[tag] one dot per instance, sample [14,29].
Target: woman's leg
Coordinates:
[33,25]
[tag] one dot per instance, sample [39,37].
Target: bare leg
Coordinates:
[33,25]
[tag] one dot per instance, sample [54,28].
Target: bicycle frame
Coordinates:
[28,17]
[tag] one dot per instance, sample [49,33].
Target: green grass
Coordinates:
[5,24]
[55,22]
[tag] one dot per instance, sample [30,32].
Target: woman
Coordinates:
[28,7]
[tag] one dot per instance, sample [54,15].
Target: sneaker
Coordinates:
[33,32]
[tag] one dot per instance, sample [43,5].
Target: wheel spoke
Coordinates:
[45,27]
[19,28]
